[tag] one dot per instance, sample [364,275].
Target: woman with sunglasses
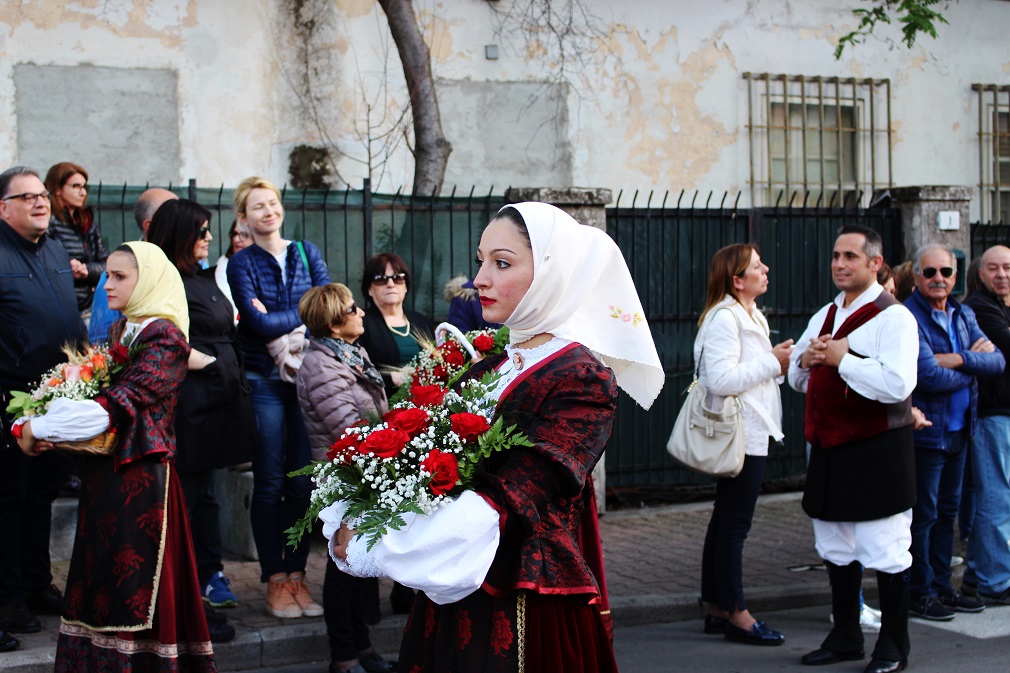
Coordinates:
[267,280]
[213,422]
[391,338]
[391,330]
[338,385]
[72,222]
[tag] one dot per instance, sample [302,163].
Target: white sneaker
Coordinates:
[869,619]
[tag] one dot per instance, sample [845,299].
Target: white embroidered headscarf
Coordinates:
[582,291]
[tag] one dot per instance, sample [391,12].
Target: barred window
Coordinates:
[817,141]
[994,152]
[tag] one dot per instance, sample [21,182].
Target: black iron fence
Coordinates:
[987,235]
[667,246]
[668,250]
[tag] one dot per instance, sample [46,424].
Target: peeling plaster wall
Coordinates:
[661,103]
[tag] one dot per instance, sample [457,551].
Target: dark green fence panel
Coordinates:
[985,236]
[668,249]
[667,245]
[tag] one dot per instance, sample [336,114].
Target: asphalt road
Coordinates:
[968,644]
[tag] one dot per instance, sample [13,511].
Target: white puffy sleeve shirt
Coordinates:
[888,344]
[734,357]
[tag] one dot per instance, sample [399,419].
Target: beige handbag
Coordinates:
[709,440]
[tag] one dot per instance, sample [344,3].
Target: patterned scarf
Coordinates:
[351,356]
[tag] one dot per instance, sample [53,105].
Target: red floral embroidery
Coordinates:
[140,602]
[150,522]
[102,604]
[125,562]
[107,527]
[429,621]
[501,633]
[463,629]
[135,483]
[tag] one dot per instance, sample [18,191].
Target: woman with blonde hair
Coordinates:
[734,356]
[73,224]
[267,280]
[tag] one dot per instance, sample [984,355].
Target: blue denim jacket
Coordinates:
[937,384]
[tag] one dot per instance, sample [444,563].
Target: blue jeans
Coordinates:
[988,551]
[278,500]
[938,476]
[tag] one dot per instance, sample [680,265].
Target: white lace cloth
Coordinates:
[70,421]
[448,553]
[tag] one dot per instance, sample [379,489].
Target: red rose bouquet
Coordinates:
[424,452]
[441,363]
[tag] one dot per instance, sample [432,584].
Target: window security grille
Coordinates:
[994,152]
[817,141]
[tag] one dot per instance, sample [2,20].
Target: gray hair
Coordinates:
[917,260]
[8,176]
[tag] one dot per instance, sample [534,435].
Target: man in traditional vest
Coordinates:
[953,351]
[856,362]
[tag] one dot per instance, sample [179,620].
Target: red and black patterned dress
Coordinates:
[133,600]
[539,608]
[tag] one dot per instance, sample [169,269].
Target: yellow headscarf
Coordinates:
[159,292]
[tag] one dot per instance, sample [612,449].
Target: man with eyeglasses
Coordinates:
[953,353]
[988,557]
[38,315]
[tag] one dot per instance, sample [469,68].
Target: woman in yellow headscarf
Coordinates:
[133,599]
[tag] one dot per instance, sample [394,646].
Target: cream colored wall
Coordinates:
[666,111]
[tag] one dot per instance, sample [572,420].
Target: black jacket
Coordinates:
[38,310]
[381,346]
[86,248]
[214,425]
[994,319]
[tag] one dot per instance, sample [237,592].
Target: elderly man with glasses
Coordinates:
[953,353]
[39,315]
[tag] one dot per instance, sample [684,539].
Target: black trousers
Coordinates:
[28,486]
[349,604]
[846,635]
[722,557]
[204,521]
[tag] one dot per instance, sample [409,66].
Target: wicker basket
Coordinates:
[102,445]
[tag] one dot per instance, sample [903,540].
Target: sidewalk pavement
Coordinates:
[653,562]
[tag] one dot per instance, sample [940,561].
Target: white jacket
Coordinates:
[752,372]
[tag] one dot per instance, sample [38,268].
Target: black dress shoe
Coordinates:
[16,618]
[884,666]
[374,663]
[822,657]
[49,601]
[715,624]
[759,634]
[8,643]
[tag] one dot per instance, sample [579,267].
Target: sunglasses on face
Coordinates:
[930,271]
[351,310]
[380,279]
[203,232]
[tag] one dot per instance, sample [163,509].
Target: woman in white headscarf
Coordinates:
[506,571]
[133,599]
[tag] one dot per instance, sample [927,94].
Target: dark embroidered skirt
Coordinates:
[133,597]
[484,634]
